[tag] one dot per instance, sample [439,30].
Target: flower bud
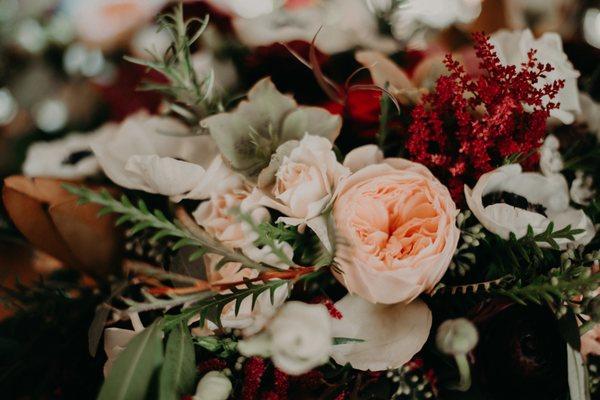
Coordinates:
[213,386]
[457,336]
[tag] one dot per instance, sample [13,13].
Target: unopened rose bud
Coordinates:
[457,336]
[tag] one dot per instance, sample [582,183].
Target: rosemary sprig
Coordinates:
[190,96]
[142,218]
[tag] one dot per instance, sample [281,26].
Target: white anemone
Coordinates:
[549,192]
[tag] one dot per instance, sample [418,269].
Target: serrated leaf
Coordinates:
[133,370]
[178,373]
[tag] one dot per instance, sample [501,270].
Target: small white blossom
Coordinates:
[298,339]
[215,385]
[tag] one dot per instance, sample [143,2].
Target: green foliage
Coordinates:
[178,373]
[142,218]
[191,97]
[584,155]
[522,258]
[555,289]
[211,308]
[267,236]
[134,369]
[549,236]
[223,347]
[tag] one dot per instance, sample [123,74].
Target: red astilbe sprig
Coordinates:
[254,369]
[469,126]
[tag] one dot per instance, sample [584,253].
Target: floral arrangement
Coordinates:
[280,225]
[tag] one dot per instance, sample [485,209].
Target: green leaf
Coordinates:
[344,340]
[132,372]
[178,374]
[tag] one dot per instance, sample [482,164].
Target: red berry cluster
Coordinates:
[468,126]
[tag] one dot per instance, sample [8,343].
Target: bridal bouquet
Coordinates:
[297,219]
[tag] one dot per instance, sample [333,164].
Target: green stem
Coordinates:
[465,373]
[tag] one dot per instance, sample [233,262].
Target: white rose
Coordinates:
[300,181]
[298,339]
[215,385]
[219,218]
[547,199]
[513,47]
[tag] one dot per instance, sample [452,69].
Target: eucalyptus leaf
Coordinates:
[178,373]
[132,372]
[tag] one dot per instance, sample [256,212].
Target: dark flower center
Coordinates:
[76,157]
[514,200]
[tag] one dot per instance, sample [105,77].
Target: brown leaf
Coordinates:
[50,218]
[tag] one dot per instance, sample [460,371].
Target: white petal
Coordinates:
[144,135]
[392,334]
[164,175]
[363,156]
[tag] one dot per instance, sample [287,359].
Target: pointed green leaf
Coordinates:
[178,373]
[132,372]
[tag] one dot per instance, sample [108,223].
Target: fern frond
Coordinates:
[211,308]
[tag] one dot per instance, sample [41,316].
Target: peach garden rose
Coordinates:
[397,227]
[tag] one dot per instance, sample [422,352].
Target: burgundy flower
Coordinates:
[521,355]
